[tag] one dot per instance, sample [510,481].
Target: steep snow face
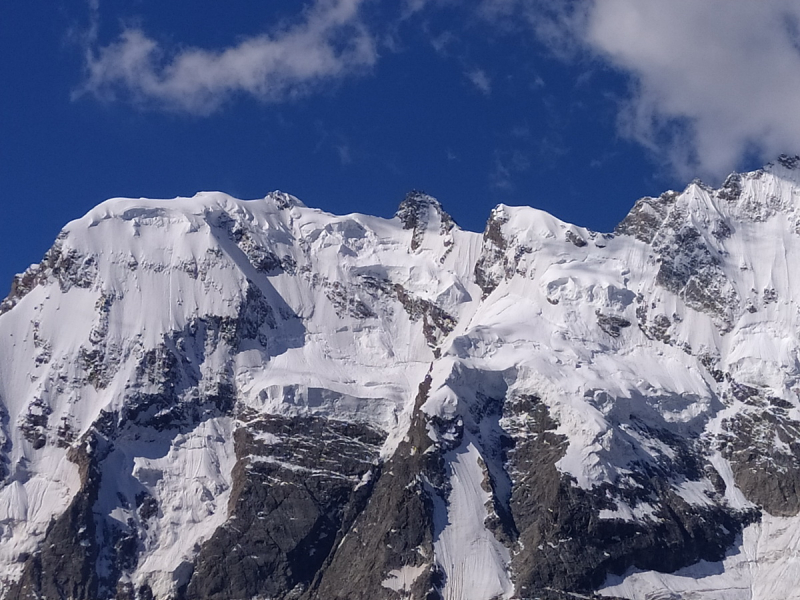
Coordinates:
[709,284]
[142,304]
[664,351]
[475,563]
[210,398]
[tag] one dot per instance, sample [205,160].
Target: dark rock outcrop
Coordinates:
[569,546]
[647,216]
[763,447]
[416,211]
[297,485]
[394,530]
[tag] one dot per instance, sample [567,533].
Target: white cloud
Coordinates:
[714,82]
[443,42]
[411,7]
[498,10]
[480,80]
[330,43]
[728,70]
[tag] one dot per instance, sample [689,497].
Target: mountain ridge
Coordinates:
[216,398]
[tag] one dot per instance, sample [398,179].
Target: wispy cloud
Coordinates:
[711,82]
[331,42]
[343,150]
[480,80]
[443,42]
[507,164]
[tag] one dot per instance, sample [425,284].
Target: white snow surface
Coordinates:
[474,562]
[345,347]
[401,580]
[191,484]
[159,264]
[538,331]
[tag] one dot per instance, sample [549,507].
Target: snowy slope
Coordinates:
[712,290]
[214,398]
[333,340]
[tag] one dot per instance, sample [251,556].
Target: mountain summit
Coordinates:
[213,399]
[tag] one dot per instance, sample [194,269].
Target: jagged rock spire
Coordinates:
[421,212]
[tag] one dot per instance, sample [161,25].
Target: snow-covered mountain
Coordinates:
[209,398]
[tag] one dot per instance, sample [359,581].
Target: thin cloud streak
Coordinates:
[330,44]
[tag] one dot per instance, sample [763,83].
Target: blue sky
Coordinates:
[577,108]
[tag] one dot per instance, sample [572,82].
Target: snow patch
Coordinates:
[401,580]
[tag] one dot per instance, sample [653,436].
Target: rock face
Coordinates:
[213,399]
[297,485]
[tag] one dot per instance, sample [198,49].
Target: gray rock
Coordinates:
[647,217]
[290,499]
[612,324]
[437,323]
[767,473]
[568,547]
[493,252]
[394,529]
[415,212]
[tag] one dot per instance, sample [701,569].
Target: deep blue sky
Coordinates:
[475,108]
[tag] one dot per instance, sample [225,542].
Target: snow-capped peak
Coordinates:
[212,398]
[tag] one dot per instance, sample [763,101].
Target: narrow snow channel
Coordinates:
[474,562]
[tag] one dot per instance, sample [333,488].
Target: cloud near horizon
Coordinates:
[330,43]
